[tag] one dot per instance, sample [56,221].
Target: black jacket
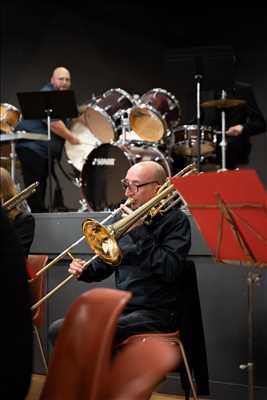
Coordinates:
[153,258]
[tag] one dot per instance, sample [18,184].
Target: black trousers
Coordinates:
[132,323]
[34,168]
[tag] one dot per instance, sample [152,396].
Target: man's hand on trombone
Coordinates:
[76,267]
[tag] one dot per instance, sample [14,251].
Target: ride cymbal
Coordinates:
[223,103]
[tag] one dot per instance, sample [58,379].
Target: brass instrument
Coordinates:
[67,251]
[103,239]
[21,196]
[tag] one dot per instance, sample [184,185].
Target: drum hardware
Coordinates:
[124,117]
[223,104]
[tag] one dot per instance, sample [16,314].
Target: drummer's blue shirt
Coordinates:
[39,126]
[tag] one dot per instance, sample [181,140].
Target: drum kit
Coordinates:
[117,130]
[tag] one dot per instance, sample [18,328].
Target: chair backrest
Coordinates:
[37,285]
[81,359]
[142,362]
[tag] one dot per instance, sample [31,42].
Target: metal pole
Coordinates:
[223,143]
[48,112]
[198,79]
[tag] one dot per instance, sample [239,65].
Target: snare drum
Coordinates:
[9,117]
[186,137]
[104,168]
[157,113]
[102,116]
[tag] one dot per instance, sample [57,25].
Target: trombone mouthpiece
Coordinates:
[129,201]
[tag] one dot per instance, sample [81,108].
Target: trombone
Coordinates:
[21,196]
[67,251]
[103,238]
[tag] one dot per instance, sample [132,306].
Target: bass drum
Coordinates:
[157,113]
[77,153]
[104,168]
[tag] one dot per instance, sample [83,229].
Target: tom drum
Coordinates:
[157,113]
[9,117]
[186,140]
[103,115]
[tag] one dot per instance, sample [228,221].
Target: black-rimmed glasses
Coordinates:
[132,186]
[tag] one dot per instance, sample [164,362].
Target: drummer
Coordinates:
[243,120]
[33,155]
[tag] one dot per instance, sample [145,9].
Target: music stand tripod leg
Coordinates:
[252,278]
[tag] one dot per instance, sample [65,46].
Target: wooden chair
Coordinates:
[189,341]
[79,364]
[83,366]
[141,363]
[158,363]
[37,287]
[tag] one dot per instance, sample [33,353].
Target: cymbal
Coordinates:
[223,103]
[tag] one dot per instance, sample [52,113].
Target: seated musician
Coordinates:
[154,254]
[22,219]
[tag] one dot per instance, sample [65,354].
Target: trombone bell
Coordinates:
[102,241]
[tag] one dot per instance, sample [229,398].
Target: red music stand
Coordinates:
[230,210]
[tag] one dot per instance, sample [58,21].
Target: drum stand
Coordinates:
[124,115]
[48,113]
[223,143]
[198,78]
[13,157]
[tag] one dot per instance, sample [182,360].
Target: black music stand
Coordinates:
[205,68]
[54,104]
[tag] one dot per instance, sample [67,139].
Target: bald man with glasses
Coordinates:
[154,254]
